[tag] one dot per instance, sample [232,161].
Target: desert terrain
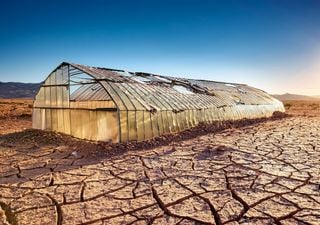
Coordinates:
[15,115]
[262,173]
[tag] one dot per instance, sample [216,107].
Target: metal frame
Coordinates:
[155,102]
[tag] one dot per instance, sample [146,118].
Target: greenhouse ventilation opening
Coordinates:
[104,104]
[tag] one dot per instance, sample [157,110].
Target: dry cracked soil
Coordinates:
[268,173]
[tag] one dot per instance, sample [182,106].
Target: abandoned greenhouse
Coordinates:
[115,105]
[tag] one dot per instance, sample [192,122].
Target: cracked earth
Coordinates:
[267,173]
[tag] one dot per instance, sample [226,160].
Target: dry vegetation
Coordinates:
[265,173]
[306,108]
[15,115]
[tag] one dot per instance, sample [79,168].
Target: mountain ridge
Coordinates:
[288,96]
[18,89]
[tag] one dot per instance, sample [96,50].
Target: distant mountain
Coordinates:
[18,90]
[287,96]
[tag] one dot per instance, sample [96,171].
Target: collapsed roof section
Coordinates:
[157,92]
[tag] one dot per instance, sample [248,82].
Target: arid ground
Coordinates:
[15,115]
[267,173]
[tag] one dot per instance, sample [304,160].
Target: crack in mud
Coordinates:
[10,217]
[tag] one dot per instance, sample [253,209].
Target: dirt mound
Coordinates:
[36,137]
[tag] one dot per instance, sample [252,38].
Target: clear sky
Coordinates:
[272,45]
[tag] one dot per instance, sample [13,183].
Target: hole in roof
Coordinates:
[140,79]
[78,79]
[181,89]
[236,99]
[163,79]
[124,73]
[230,85]
[241,90]
[90,92]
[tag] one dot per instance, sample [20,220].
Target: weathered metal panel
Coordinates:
[209,115]
[135,100]
[113,122]
[87,126]
[107,126]
[90,92]
[146,97]
[66,121]
[114,95]
[147,125]
[59,76]
[36,118]
[53,96]
[155,125]
[184,117]
[43,119]
[47,96]
[140,125]
[142,97]
[60,91]
[48,80]
[60,121]
[176,122]
[124,126]
[202,116]
[92,104]
[132,126]
[76,123]
[191,118]
[195,117]
[236,113]
[162,101]
[170,100]
[48,119]
[54,119]
[165,121]
[102,126]
[65,97]
[40,98]
[53,78]
[100,73]
[65,74]
[160,122]
[169,122]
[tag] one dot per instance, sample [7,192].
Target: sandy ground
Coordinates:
[268,173]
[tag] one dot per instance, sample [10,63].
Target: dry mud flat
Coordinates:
[268,173]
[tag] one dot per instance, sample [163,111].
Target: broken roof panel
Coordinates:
[159,92]
[90,92]
[102,74]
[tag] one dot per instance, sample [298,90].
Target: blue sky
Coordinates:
[272,45]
